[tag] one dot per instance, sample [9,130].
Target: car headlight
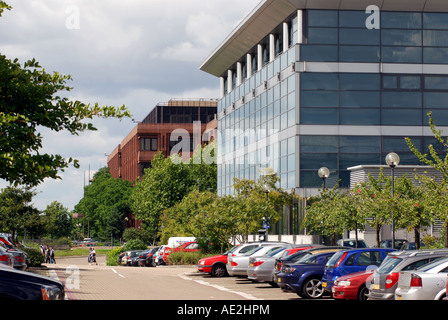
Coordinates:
[202,262]
[343,283]
[52,293]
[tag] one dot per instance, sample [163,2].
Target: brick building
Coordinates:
[161,130]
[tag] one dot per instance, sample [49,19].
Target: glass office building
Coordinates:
[311,84]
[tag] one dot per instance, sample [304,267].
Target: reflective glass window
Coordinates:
[310,179]
[401,20]
[438,100]
[318,144]
[359,53]
[359,81]
[352,19]
[401,99]
[360,99]
[319,99]
[440,117]
[435,20]
[390,82]
[401,37]
[402,54]
[398,144]
[436,83]
[435,55]
[347,160]
[359,144]
[322,35]
[318,115]
[359,117]
[359,36]
[318,81]
[404,117]
[318,53]
[435,38]
[322,18]
[410,82]
[318,160]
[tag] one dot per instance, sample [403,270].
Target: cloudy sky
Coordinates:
[133,52]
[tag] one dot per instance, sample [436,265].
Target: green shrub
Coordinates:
[112,256]
[135,244]
[35,256]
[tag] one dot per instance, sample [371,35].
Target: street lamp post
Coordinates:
[393,160]
[323,173]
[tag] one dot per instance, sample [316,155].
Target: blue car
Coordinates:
[304,277]
[351,261]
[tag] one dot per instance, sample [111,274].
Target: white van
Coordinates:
[175,242]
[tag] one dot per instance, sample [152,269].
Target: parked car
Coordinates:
[238,265]
[150,257]
[351,261]
[426,283]
[216,265]
[23,285]
[161,257]
[139,259]
[19,256]
[352,286]
[351,243]
[192,246]
[398,243]
[261,269]
[304,277]
[6,258]
[411,246]
[385,278]
[128,255]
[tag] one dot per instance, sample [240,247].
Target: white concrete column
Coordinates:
[271,47]
[300,26]
[260,57]
[229,81]
[285,36]
[222,87]
[239,73]
[249,65]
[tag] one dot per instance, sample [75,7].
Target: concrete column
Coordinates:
[300,26]
[229,81]
[239,74]
[260,56]
[271,47]
[222,87]
[285,37]
[249,65]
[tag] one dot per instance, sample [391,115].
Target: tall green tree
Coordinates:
[105,205]
[439,190]
[58,221]
[17,213]
[32,99]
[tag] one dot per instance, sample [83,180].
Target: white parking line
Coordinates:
[115,271]
[205,283]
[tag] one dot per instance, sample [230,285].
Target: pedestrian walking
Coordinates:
[47,254]
[52,259]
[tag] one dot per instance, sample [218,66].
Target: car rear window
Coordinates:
[334,259]
[389,264]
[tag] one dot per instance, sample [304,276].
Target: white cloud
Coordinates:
[132,52]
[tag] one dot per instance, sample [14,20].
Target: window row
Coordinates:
[371,117]
[372,81]
[388,19]
[375,37]
[373,54]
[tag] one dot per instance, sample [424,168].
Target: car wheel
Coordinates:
[312,289]
[273,284]
[362,293]
[219,270]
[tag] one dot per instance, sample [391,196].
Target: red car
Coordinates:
[216,265]
[191,246]
[352,286]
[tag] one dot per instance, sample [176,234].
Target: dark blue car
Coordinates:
[304,276]
[351,261]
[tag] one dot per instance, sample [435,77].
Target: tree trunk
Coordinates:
[378,237]
[446,234]
[417,238]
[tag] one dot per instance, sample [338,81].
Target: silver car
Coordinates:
[237,265]
[385,278]
[19,256]
[6,258]
[261,269]
[425,283]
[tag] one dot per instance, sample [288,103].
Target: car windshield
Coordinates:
[274,252]
[251,252]
[334,259]
[308,258]
[388,264]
